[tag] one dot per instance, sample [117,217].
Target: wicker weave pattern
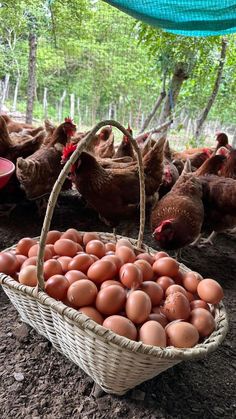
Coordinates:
[117,364]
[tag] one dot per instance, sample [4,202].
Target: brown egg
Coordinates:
[124,242]
[203,321]
[66,247]
[8,263]
[110,247]
[179,278]
[92,313]
[111,282]
[138,306]
[166,266]
[131,275]
[165,282]
[74,275]
[81,262]
[210,291]
[28,276]
[24,245]
[96,247]
[34,250]
[191,281]
[29,262]
[57,286]
[199,304]
[189,296]
[145,256]
[52,250]
[160,255]
[71,235]
[101,271]
[51,267]
[114,259]
[121,326]
[82,293]
[53,236]
[176,306]
[145,268]
[110,252]
[20,260]
[182,334]
[95,258]
[152,333]
[90,236]
[175,288]
[160,318]
[111,300]
[64,261]
[154,291]
[125,254]
[78,236]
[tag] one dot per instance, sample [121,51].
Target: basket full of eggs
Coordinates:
[109,302]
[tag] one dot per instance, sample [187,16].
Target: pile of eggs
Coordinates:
[144,297]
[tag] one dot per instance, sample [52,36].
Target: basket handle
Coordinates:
[61,179]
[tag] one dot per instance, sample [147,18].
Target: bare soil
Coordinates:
[38,382]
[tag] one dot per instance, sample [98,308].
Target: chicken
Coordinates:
[219,199]
[212,165]
[14,126]
[222,141]
[179,164]
[114,194]
[38,173]
[125,148]
[170,177]
[177,219]
[229,168]
[105,147]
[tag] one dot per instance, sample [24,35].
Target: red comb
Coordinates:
[67,150]
[68,119]
[206,151]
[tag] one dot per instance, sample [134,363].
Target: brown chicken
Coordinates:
[229,168]
[170,177]
[105,147]
[14,126]
[212,166]
[125,148]
[177,218]
[114,194]
[38,173]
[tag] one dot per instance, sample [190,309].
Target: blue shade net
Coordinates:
[184,17]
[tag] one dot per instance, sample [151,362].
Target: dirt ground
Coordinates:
[38,382]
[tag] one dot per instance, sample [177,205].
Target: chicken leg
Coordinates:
[208,240]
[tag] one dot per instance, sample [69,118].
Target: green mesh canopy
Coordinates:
[184,17]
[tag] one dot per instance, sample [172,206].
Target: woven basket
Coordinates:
[116,363]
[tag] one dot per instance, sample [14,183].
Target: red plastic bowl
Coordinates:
[7,169]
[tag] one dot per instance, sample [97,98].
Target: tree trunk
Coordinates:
[153,111]
[45,103]
[215,90]
[31,77]
[180,74]
[14,106]
[60,107]
[4,90]
[78,112]
[234,140]
[72,105]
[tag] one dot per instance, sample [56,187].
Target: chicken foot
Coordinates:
[209,240]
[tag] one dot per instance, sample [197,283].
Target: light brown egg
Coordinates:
[8,263]
[52,250]
[81,262]
[152,333]
[199,304]
[64,261]
[121,326]
[28,276]
[110,247]
[125,254]
[56,286]
[191,281]
[24,245]
[87,237]
[175,288]
[153,290]
[203,321]
[20,260]
[176,306]
[160,255]
[74,275]
[165,282]
[66,247]
[29,262]
[145,268]
[160,318]
[53,236]
[111,282]
[114,259]
[111,300]
[145,256]
[138,306]
[82,293]
[96,247]
[71,235]
[166,266]
[77,234]
[181,335]
[51,267]
[34,250]
[124,242]
[210,291]
[131,275]
[189,296]
[92,313]
[101,271]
